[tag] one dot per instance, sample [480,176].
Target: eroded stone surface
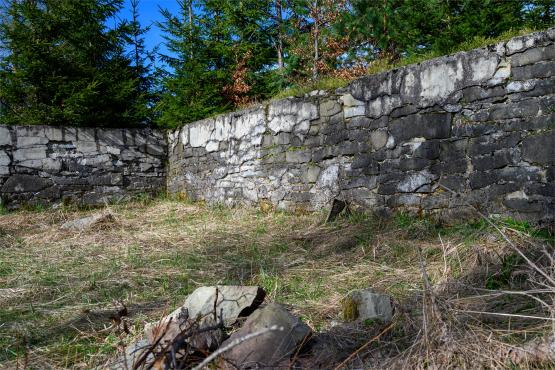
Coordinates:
[41,164]
[472,122]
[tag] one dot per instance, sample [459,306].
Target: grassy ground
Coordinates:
[59,289]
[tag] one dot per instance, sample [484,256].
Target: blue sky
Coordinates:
[149,13]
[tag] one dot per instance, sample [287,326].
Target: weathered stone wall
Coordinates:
[480,123]
[42,164]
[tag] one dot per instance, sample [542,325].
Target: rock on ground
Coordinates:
[84,223]
[366,304]
[230,303]
[272,349]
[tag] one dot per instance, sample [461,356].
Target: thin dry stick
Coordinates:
[508,315]
[235,343]
[444,255]
[299,347]
[386,329]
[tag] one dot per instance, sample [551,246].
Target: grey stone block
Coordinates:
[5,136]
[496,160]
[428,126]
[490,143]
[298,156]
[25,184]
[539,148]
[539,70]
[522,109]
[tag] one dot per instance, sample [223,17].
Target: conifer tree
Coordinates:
[61,64]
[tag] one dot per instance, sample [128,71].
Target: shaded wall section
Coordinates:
[480,123]
[42,164]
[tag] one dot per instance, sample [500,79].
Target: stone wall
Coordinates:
[480,123]
[41,164]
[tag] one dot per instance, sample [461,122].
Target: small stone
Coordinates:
[84,223]
[367,305]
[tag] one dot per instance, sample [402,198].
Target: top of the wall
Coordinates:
[430,82]
[433,81]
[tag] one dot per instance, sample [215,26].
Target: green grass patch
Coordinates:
[59,287]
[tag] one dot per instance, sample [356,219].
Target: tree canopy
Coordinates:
[62,64]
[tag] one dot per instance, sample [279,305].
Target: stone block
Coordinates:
[329,108]
[359,122]
[455,182]
[111,137]
[405,200]
[477,93]
[538,70]
[335,137]
[428,126]
[54,133]
[86,134]
[5,159]
[523,205]
[521,109]
[274,349]
[350,112]
[5,136]
[495,160]
[160,150]
[28,141]
[408,164]
[25,183]
[539,148]
[416,182]
[429,149]
[365,161]
[29,153]
[404,111]
[298,156]
[491,143]
[367,305]
[378,139]
[534,88]
[199,133]
[86,147]
[29,131]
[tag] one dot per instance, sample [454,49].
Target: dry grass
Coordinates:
[59,290]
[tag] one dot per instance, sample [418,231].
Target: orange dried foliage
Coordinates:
[236,92]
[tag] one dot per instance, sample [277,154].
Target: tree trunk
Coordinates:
[279,17]
[190,11]
[135,11]
[316,36]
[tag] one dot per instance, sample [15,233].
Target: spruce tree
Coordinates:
[220,57]
[61,64]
